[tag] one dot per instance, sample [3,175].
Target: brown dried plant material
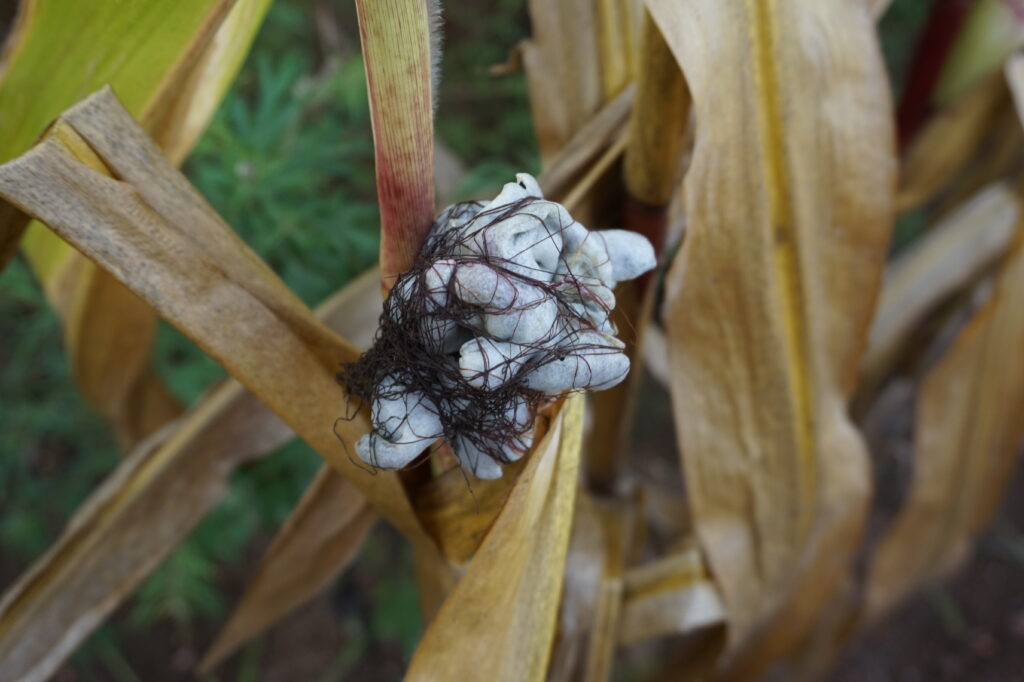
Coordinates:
[154,232]
[652,171]
[580,152]
[617,33]
[948,143]
[947,259]
[789,200]
[672,595]
[326,529]
[616,521]
[458,515]
[152,501]
[320,539]
[500,617]
[653,165]
[563,70]
[970,419]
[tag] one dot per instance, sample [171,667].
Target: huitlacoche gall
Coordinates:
[506,308]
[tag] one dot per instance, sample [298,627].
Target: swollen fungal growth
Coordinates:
[506,307]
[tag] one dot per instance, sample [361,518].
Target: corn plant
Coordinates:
[753,143]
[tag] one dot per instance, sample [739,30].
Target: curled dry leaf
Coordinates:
[789,201]
[320,538]
[157,235]
[947,143]
[502,612]
[458,515]
[653,165]
[669,596]
[323,533]
[579,153]
[616,520]
[580,58]
[564,76]
[969,423]
[618,32]
[150,504]
[970,419]
[948,258]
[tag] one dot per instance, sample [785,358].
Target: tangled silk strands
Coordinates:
[429,317]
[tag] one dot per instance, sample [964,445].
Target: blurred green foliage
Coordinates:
[898,32]
[53,450]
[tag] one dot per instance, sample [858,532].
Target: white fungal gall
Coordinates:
[476,461]
[507,307]
[513,310]
[596,362]
[631,253]
[405,423]
[490,364]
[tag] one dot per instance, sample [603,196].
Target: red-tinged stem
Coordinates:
[396,47]
[933,48]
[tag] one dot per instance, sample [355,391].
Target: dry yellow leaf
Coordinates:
[672,595]
[789,203]
[970,419]
[653,166]
[947,143]
[458,515]
[325,530]
[652,172]
[501,615]
[948,258]
[564,75]
[576,156]
[616,39]
[616,520]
